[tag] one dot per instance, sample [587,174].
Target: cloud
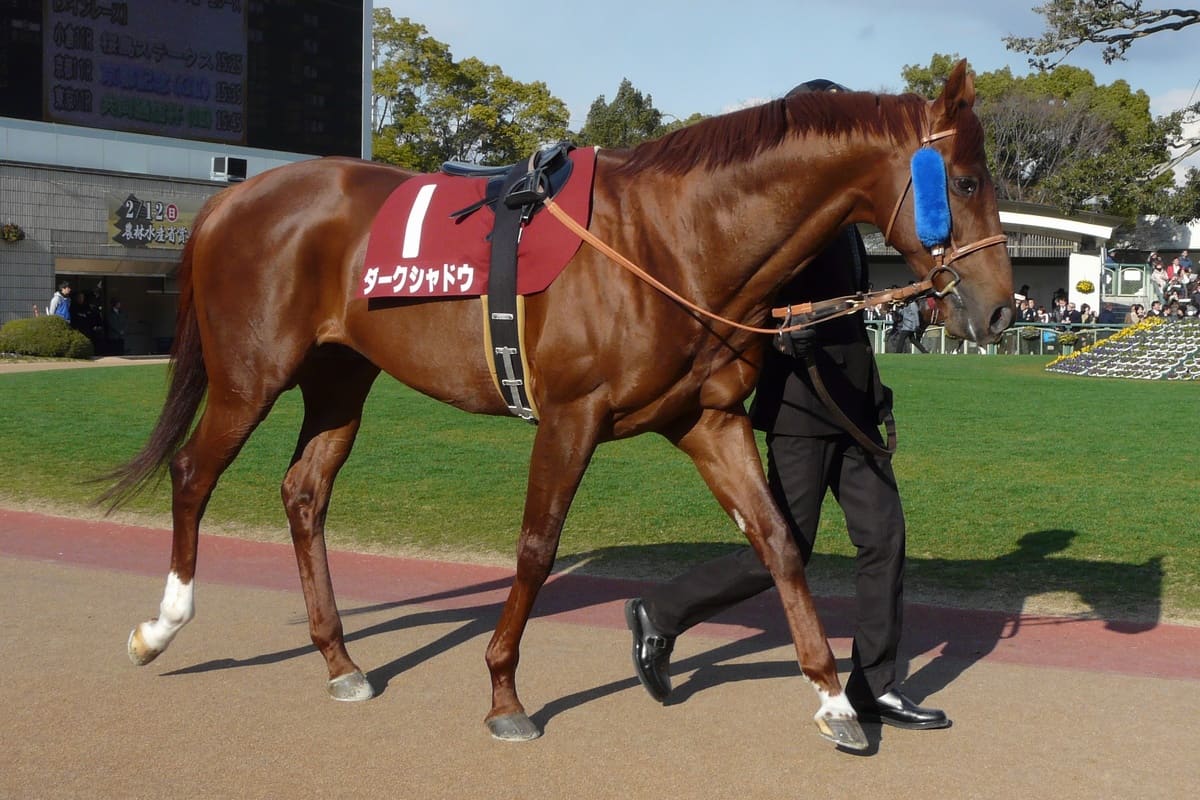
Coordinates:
[1172,100]
[747,103]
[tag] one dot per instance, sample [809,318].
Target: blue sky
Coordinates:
[711,56]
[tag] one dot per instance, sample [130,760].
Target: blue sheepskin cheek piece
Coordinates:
[931,204]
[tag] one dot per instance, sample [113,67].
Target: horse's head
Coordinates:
[959,244]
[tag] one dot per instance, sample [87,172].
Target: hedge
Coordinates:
[44,337]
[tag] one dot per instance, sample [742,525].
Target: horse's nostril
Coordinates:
[1002,317]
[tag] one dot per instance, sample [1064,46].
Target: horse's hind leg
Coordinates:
[226,424]
[333,403]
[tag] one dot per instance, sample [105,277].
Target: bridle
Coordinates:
[941,256]
[806,314]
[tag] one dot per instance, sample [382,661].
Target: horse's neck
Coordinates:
[790,202]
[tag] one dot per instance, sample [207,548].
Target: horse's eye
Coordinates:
[965,185]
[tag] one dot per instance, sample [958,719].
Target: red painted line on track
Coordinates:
[1149,649]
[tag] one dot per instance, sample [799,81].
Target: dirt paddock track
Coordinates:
[236,708]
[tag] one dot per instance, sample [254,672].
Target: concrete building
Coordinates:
[116,128]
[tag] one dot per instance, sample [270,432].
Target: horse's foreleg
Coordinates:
[562,449]
[722,446]
[332,413]
[222,431]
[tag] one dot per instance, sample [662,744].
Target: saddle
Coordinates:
[523,185]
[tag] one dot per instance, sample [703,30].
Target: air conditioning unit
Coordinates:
[228,169]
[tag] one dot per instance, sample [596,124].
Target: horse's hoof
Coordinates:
[351,688]
[140,653]
[513,728]
[842,731]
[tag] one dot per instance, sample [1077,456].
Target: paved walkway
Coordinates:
[17,365]
[1043,707]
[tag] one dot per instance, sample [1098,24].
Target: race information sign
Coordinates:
[162,67]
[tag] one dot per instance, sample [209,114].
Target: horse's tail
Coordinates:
[188,384]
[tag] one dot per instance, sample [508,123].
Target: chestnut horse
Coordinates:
[725,212]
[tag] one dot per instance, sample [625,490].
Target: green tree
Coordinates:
[676,124]
[1114,24]
[928,81]
[427,108]
[629,119]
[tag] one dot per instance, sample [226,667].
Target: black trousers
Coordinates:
[901,339]
[800,470]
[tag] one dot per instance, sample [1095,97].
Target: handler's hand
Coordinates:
[797,343]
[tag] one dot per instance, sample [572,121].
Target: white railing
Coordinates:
[1024,338]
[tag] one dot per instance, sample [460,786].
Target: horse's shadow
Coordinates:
[927,628]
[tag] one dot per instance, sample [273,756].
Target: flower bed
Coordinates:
[1153,349]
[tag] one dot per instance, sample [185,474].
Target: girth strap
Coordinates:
[502,305]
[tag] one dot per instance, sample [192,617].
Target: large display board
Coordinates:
[273,74]
[170,68]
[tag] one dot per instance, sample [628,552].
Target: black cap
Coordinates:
[817,85]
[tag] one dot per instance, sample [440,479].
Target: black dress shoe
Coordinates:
[893,708]
[651,651]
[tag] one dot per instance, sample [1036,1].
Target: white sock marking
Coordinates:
[175,611]
[837,706]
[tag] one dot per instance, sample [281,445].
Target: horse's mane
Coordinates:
[741,135]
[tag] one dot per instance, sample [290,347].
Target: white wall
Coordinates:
[134,153]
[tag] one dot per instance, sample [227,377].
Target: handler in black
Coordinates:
[808,453]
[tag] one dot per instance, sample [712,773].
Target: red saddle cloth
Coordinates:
[416,249]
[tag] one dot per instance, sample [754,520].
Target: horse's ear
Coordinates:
[957,94]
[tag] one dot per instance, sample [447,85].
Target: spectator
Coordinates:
[116,329]
[1108,316]
[1174,277]
[1028,311]
[1072,316]
[60,303]
[1137,313]
[1184,261]
[86,319]
[1086,315]
[1186,280]
[1059,312]
[1158,280]
[1042,314]
[905,331]
[1156,309]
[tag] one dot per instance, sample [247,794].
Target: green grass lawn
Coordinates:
[1019,485]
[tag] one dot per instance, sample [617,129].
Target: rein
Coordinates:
[821,310]
[812,313]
